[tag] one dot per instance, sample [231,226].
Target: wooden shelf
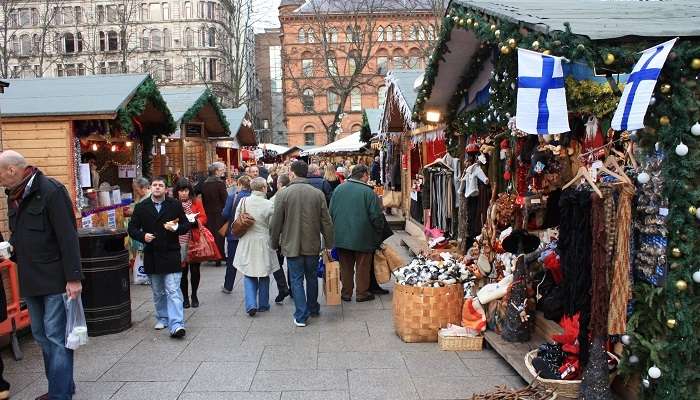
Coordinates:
[514,353]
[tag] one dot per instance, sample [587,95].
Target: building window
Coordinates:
[307,100]
[155,12]
[332,64]
[356,99]
[211,37]
[307,67]
[112,13]
[72,43]
[355,128]
[332,35]
[25,45]
[167,39]
[156,40]
[25,16]
[276,69]
[398,59]
[309,136]
[144,12]
[380,34]
[188,10]
[431,32]
[100,13]
[36,43]
[189,70]
[146,40]
[381,96]
[35,17]
[166,11]
[189,38]
[414,59]
[78,14]
[212,69]
[382,64]
[310,36]
[15,44]
[114,67]
[302,36]
[333,100]
[398,34]
[352,63]
[68,17]
[389,34]
[70,69]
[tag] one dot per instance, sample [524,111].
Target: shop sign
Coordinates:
[127,171]
[112,219]
[86,222]
[194,130]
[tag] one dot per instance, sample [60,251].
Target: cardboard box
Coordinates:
[331,282]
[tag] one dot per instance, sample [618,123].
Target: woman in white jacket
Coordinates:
[254,256]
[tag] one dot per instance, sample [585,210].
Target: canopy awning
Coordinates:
[348,144]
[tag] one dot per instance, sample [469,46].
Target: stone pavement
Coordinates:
[349,352]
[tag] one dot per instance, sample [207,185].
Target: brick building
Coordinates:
[268,64]
[402,35]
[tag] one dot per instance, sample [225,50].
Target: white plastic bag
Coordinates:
[76,328]
[140,277]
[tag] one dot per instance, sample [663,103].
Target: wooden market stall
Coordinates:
[199,120]
[229,150]
[92,133]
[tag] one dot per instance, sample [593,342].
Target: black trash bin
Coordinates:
[106,295]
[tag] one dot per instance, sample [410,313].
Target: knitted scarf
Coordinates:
[15,194]
[620,291]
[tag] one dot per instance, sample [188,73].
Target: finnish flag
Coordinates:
[639,88]
[541,107]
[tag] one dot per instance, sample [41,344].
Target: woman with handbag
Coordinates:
[198,218]
[254,255]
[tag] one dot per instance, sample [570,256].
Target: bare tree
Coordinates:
[424,31]
[8,31]
[48,42]
[339,65]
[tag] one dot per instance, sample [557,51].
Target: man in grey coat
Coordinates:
[301,216]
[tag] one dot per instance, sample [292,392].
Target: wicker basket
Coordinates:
[419,312]
[461,343]
[565,389]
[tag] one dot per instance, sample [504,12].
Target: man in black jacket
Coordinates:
[45,243]
[157,222]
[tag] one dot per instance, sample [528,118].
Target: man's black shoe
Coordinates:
[369,297]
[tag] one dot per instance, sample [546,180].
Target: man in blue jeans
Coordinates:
[45,243]
[300,218]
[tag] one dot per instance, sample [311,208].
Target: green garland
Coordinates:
[206,98]
[674,350]
[146,93]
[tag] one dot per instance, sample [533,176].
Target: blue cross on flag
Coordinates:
[541,108]
[639,88]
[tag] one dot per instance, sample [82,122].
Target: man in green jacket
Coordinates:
[358,223]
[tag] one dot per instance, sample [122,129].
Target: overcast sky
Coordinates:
[267,12]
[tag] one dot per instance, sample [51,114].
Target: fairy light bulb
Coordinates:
[113,148]
[94,147]
[129,143]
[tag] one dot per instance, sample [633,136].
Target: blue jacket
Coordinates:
[321,184]
[229,211]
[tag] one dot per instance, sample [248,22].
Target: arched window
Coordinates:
[156,40]
[35,17]
[332,35]
[413,33]
[389,34]
[333,100]
[398,61]
[113,41]
[36,43]
[414,59]
[15,44]
[349,34]
[167,38]
[211,35]
[431,32]
[355,128]
[103,41]
[79,42]
[189,38]
[166,11]
[356,99]
[146,40]
[331,63]
[203,36]
[398,33]
[309,136]
[307,64]
[380,34]
[68,43]
[381,96]
[302,36]
[188,10]
[382,57]
[307,100]
[310,36]
[26,45]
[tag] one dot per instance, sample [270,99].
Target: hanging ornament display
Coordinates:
[652,101]
[696,276]
[692,210]
[695,63]
[671,323]
[664,120]
[695,129]
[535,45]
[682,149]
[697,214]
[626,339]
[646,383]
[676,252]
[609,59]
[512,43]
[633,359]
[497,32]
[665,88]
[643,178]
[505,50]
[654,372]
[681,285]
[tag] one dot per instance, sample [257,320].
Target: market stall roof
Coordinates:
[374,119]
[280,150]
[196,103]
[598,20]
[348,144]
[240,125]
[401,97]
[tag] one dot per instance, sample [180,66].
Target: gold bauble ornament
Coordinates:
[692,210]
[512,43]
[609,59]
[665,88]
[461,22]
[547,52]
[535,45]
[497,32]
[695,63]
[664,120]
[469,21]
[675,265]
[681,285]
[476,24]
[493,27]
[505,50]
[671,323]
[676,252]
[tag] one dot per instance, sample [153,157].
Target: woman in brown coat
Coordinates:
[214,198]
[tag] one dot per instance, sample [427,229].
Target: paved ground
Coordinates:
[350,352]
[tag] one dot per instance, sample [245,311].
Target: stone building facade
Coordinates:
[402,38]
[268,58]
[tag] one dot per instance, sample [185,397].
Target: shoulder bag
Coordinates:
[243,222]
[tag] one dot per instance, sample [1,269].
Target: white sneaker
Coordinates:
[159,326]
[299,324]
